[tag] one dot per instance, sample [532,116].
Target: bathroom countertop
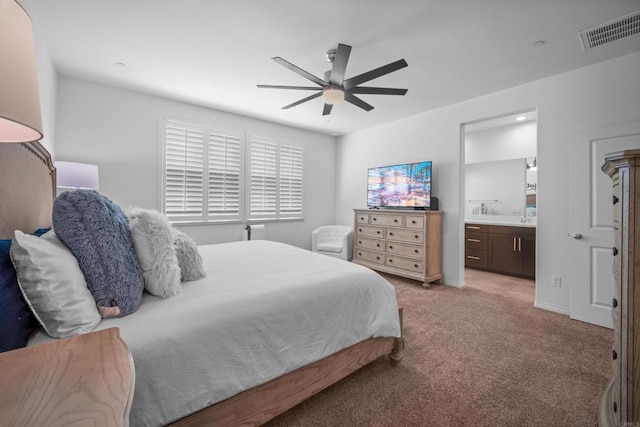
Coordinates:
[507,222]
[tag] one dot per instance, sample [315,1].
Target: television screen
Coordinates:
[407,185]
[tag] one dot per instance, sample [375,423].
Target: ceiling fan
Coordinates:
[335,88]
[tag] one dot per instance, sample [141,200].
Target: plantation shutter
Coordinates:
[263,169]
[290,180]
[224,184]
[183,172]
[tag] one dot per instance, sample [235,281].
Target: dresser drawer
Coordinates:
[387,220]
[411,221]
[402,249]
[375,257]
[373,244]
[408,236]
[476,228]
[475,258]
[404,263]
[362,218]
[475,241]
[370,231]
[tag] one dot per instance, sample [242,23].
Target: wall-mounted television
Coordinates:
[400,186]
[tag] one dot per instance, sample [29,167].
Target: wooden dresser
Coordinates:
[620,403]
[84,380]
[401,242]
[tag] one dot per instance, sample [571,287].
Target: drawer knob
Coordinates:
[615,200]
[360,253]
[378,231]
[360,241]
[415,265]
[378,257]
[614,355]
[416,251]
[413,221]
[390,234]
[378,244]
[416,236]
[615,303]
[390,260]
[395,220]
[390,247]
[375,219]
[615,251]
[360,230]
[615,406]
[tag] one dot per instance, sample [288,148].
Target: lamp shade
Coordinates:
[77,175]
[20,119]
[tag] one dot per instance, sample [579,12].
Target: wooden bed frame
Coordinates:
[27,191]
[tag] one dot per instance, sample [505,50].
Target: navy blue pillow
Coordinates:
[16,320]
[97,233]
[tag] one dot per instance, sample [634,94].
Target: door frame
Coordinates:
[461,200]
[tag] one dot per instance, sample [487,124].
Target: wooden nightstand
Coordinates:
[84,380]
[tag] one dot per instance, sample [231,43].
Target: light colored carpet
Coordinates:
[472,358]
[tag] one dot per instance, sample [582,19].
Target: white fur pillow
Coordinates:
[153,243]
[189,258]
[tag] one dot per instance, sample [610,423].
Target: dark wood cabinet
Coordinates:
[502,249]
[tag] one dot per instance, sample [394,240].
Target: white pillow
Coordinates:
[189,259]
[53,285]
[153,243]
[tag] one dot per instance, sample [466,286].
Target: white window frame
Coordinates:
[287,168]
[205,215]
[276,172]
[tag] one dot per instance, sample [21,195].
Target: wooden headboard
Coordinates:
[27,188]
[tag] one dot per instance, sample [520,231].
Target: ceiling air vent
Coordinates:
[620,28]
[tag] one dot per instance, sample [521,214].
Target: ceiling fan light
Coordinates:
[333,96]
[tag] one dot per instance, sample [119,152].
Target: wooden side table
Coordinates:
[84,380]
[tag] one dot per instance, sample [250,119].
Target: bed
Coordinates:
[288,322]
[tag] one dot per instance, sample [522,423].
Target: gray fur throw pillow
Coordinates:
[189,258]
[153,242]
[97,233]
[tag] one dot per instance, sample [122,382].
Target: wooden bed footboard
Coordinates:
[260,404]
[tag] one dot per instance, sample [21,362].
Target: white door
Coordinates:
[591,231]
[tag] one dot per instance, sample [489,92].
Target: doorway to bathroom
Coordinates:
[500,200]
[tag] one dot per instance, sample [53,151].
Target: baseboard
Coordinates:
[454,284]
[552,307]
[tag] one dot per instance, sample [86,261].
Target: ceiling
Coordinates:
[214,52]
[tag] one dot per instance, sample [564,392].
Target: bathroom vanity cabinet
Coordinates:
[501,248]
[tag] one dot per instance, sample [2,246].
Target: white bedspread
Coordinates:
[264,309]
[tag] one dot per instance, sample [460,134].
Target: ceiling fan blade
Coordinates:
[300,71]
[374,74]
[289,87]
[357,101]
[327,109]
[340,64]
[308,98]
[377,90]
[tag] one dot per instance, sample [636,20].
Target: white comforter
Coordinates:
[264,309]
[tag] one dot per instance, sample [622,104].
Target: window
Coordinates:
[275,180]
[192,153]
[203,170]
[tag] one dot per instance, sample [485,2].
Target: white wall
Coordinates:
[501,143]
[590,97]
[119,130]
